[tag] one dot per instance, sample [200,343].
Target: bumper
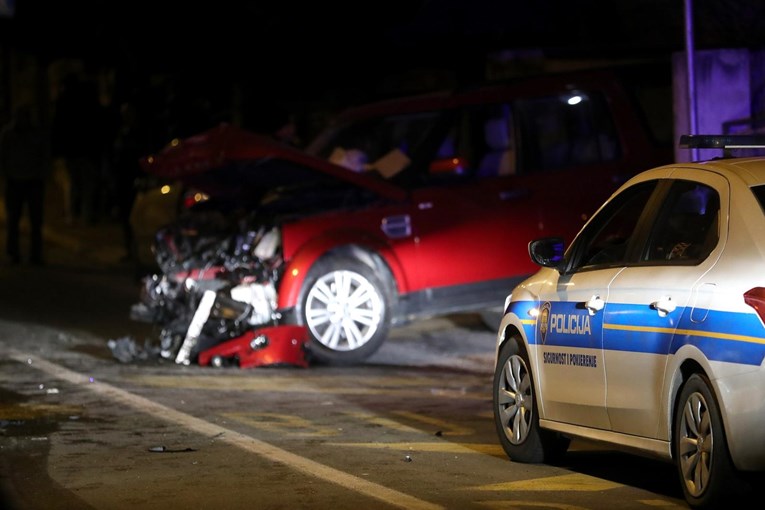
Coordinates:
[743,398]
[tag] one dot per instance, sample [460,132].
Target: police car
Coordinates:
[647,331]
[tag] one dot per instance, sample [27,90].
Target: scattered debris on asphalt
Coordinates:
[126,350]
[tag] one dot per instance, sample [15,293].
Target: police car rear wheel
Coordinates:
[515,410]
[701,450]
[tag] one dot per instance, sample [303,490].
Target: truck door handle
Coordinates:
[397,227]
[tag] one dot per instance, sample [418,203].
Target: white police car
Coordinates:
[647,332]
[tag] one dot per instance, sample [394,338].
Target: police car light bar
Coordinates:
[722,142]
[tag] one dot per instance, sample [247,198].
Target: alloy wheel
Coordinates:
[515,399]
[695,444]
[343,310]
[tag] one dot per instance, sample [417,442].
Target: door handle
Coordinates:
[664,306]
[397,227]
[594,304]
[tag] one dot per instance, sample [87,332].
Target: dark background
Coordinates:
[253,61]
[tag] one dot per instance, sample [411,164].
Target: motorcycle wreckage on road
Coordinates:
[213,300]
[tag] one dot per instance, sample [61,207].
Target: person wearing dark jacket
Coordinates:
[128,147]
[24,163]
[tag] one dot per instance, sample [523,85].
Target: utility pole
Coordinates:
[690,75]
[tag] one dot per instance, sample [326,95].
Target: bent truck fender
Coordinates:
[297,268]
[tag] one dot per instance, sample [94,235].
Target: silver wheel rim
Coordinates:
[515,398]
[695,444]
[343,310]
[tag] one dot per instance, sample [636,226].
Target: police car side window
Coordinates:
[606,240]
[687,227]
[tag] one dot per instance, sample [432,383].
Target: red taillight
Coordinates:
[188,201]
[756,299]
[448,166]
[192,198]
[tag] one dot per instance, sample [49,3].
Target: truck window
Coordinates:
[565,130]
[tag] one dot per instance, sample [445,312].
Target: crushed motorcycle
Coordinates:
[213,299]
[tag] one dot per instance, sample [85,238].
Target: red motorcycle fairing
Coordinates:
[269,346]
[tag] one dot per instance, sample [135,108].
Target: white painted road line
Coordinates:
[250,444]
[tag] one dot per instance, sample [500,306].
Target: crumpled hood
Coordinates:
[230,161]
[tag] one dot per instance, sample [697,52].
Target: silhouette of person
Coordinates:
[78,137]
[128,147]
[25,164]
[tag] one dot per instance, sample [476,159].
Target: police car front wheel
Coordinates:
[515,410]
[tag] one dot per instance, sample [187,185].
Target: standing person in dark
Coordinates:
[78,137]
[25,164]
[128,147]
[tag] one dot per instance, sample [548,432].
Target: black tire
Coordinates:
[342,332]
[515,410]
[707,475]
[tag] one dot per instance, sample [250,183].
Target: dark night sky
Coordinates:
[332,41]
[301,51]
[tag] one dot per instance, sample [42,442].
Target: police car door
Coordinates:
[648,299]
[570,358]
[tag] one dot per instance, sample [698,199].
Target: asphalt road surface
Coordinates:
[81,430]
[411,428]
